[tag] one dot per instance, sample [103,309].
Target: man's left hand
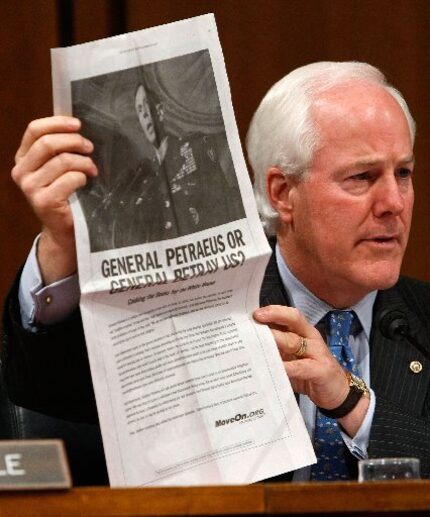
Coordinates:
[315,373]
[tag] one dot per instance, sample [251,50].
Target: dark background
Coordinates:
[262,40]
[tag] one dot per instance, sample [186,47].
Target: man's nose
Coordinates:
[389,197]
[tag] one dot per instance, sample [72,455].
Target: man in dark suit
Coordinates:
[331,146]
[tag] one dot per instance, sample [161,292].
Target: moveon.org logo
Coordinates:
[240,417]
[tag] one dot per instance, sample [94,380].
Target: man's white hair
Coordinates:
[282,133]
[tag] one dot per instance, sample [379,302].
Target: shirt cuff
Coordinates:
[359,443]
[45,305]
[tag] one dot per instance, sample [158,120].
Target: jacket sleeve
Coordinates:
[47,371]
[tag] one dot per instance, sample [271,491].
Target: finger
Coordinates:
[302,370]
[288,317]
[49,146]
[288,343]
[38,128]
[54,198]
[54,168]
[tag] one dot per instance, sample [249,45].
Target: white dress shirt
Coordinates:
[314,310]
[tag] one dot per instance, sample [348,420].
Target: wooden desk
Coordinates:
[262,499]
[348,498]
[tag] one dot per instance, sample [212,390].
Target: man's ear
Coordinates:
[279,187]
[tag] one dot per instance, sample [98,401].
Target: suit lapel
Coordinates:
[272,290]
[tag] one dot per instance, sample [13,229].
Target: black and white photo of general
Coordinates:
[165,168]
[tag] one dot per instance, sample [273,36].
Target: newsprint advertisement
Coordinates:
[171,253]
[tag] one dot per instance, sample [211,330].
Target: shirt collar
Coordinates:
[315,309]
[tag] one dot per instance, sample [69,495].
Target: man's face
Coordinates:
[350,218]
[144,114]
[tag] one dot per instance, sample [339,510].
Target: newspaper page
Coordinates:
[171,254]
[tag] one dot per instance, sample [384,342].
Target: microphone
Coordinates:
[394,325]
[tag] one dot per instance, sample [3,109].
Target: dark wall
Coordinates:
[261,39]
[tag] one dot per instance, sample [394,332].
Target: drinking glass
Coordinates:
[387,469]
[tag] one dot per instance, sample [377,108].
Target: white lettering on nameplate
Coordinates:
[12,462]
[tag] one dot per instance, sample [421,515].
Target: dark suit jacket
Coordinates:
[49,371]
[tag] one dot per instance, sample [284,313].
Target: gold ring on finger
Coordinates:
[301,351]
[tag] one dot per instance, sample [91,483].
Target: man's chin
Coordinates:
[382,277]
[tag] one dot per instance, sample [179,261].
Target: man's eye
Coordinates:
[362,176]
[404,173]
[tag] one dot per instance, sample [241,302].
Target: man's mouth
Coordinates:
[383,240]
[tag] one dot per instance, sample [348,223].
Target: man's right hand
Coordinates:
[53,162]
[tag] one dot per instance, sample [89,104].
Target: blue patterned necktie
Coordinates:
[328,443]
